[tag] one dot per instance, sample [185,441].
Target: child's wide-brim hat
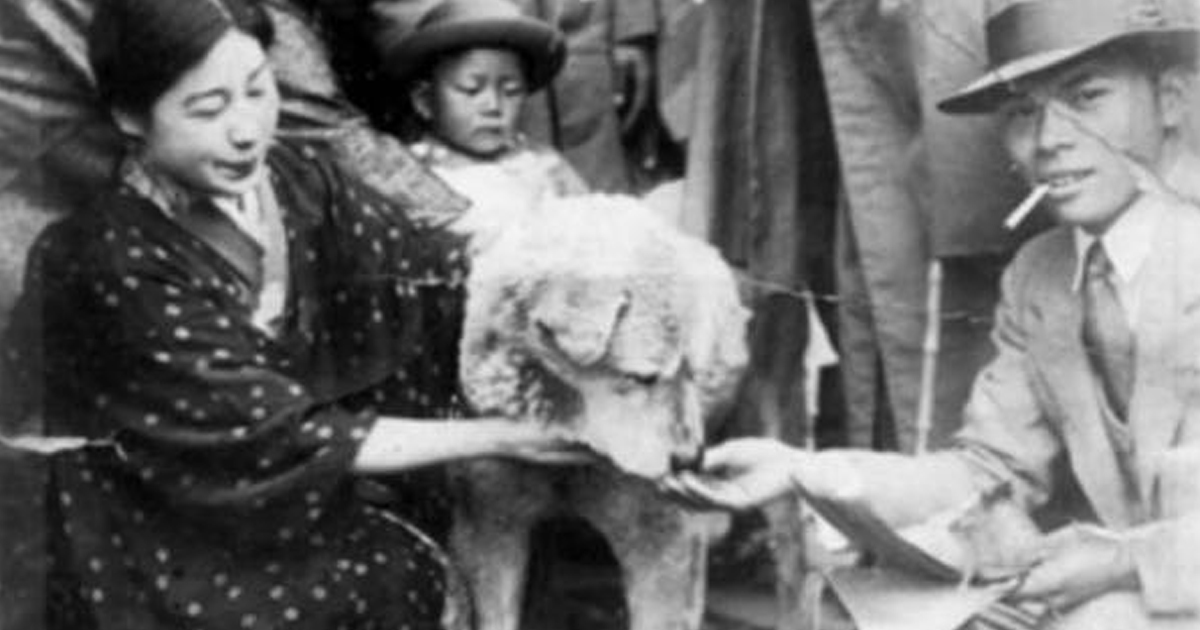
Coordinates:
[411,34]
[1029,37]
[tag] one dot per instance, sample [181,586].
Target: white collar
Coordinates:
[245,212]
[1128,241]
[244,207]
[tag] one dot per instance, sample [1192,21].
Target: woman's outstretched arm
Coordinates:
[398,444]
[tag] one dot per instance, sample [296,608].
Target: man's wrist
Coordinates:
[827,475]
[799,469]
[1125,569]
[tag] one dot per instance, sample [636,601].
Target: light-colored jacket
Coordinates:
[1036,406]
[1038,400]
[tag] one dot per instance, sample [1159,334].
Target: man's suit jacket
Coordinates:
[1038,401]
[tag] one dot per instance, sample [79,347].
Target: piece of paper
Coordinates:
[887,599]
[865,529]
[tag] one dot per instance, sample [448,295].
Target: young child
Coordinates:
[466,68]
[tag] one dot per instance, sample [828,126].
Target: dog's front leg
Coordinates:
[662,551]
[493,517]
[493,559]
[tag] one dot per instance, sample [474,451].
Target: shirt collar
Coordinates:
[1127,242]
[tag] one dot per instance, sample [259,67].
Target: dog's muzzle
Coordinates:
[688,462]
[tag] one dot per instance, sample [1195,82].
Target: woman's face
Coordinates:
[211,129]
[474,99]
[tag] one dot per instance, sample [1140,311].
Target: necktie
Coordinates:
[1107,336]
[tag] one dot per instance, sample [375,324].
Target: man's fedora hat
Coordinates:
[1028,37]
[410,34]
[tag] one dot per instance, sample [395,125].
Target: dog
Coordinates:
[592,314]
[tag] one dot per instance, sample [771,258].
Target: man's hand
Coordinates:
[747,473]
[1078,563]
[635,85]
[738,475]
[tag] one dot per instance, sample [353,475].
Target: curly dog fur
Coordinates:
[591,313]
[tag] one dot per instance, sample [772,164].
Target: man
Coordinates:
[1097,366]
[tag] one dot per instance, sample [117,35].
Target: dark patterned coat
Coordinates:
[217,491]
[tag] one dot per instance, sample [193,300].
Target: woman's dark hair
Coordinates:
[138,49]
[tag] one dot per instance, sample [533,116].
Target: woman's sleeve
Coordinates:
[198,399]
[400,289]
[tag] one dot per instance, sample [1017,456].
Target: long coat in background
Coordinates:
[761,186]
[917,185]
[577,113]
[779,127]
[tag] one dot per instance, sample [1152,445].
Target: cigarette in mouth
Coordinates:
[1022,212]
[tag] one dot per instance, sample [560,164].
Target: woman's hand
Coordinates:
[739,475]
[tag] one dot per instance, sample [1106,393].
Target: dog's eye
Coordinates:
[645,380]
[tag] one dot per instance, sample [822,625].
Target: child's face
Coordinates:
[474,99]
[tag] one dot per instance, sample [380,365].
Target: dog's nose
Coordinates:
[692,460]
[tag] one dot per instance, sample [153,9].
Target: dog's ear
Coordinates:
[579,319]
[490,375]
[490,370]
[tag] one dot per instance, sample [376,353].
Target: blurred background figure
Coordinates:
[600,111]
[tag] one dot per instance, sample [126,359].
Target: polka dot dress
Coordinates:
[224,499]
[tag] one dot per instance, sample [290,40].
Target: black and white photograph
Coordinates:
[600,314]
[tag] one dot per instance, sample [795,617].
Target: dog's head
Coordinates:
[597,315]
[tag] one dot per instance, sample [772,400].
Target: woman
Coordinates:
[219,326]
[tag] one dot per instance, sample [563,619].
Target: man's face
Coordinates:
[1085,131]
